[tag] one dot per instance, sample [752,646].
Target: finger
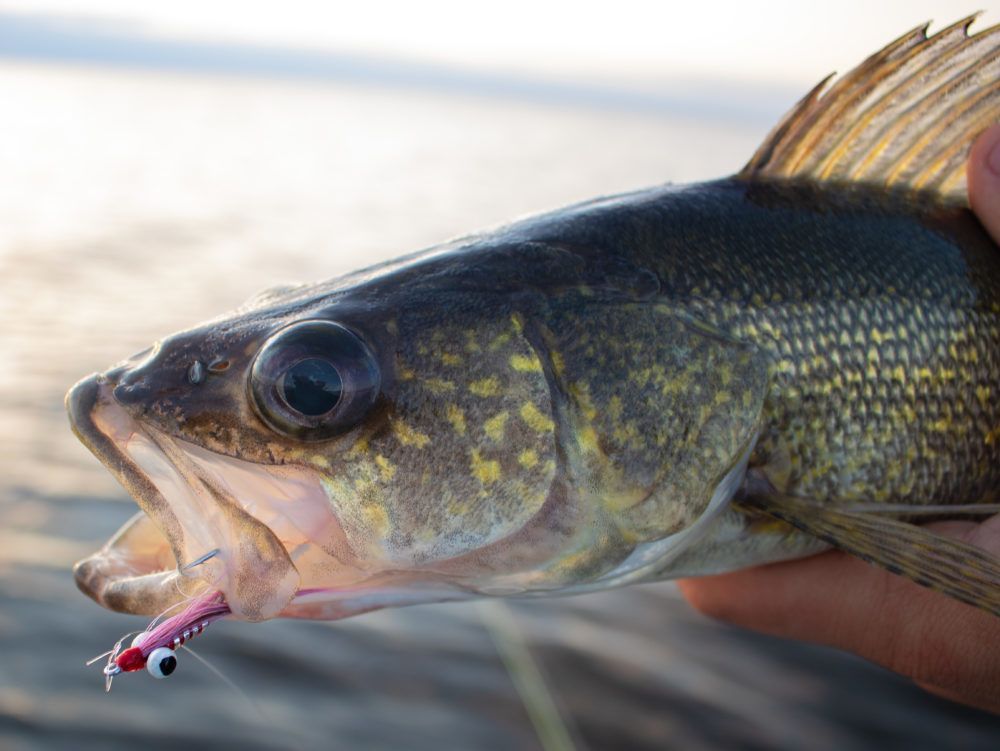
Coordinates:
[983,176]
[841,601]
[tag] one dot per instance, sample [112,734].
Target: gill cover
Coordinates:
[654,413]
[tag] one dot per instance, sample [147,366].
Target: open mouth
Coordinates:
[210,522]
[266,537]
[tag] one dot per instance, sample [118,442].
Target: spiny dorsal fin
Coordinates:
[905,117]
[941,563]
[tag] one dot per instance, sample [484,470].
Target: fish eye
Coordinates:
[313,380]
[312,387]
[161,662]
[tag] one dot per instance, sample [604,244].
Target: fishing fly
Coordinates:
[155,647]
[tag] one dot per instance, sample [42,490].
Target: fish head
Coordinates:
[422,433]
[358,441]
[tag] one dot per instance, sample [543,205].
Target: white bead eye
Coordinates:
[161,662]
[139,639]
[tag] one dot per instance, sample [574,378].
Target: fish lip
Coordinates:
[110,576]
[82,401]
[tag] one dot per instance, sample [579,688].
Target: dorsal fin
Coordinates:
[905,117]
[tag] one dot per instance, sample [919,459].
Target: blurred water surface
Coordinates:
[132,205]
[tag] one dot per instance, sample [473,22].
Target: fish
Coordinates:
[677,381]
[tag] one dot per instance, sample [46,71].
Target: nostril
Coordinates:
[131,391]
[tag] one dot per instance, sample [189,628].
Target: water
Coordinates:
[132,205]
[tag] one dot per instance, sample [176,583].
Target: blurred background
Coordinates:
[159,163]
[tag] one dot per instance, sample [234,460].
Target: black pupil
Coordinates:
[167,665]
[312,387]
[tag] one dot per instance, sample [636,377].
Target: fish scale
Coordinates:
[885,358]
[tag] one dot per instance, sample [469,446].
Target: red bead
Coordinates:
[131,659]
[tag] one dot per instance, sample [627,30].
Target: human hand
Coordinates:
[945,646]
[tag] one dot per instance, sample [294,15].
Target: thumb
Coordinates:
[983,174]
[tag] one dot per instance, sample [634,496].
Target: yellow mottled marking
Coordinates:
[449,359]
[409,436]
[494,427]
[439,385]
[587,438]
[941,425]
[456,417]
[485,386]
[499,340]
[359,447]
[376,518]
[558,364]
[535,419]
[725,373]
[528,458]
[879,336]
[487,471]
[517,323]
[622,499]
[405,374]
[983,394]
[386,469]
[526,363]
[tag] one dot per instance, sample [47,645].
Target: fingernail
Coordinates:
[993,158]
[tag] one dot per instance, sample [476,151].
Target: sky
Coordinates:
[781,41]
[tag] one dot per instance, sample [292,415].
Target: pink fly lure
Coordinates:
[154,648]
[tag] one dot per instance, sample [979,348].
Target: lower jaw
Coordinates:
[150,594]
[135,572]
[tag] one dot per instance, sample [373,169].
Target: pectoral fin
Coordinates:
[941,563]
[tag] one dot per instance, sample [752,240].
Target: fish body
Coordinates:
[629,389]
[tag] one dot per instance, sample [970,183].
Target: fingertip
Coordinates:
[983,174]
[830,598]
[781,599]
[707,595]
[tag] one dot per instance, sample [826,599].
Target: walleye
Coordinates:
[672,382]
